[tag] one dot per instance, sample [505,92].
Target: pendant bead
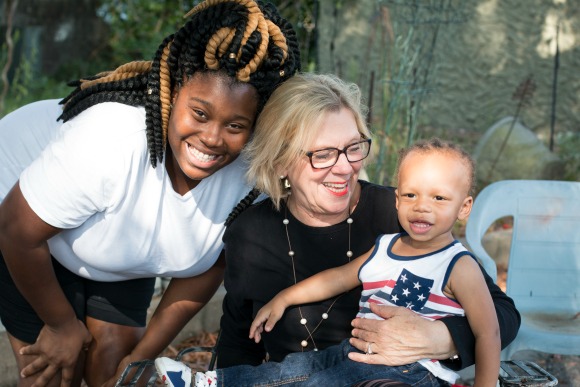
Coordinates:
[349,221]
[325,316]
[349,254]
[303,321]
[286,221]
[304,343]
[291,253]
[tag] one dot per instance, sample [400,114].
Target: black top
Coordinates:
[258,267]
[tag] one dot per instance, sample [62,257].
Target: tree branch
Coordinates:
[10,7]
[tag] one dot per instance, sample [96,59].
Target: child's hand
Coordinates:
[269,314]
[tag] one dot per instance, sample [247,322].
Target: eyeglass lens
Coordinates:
[326,158]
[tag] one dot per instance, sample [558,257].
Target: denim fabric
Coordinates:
[330,367]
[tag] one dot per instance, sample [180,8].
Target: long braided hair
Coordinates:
[246,39]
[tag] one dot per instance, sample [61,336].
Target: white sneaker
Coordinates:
[173,373]
[205,379]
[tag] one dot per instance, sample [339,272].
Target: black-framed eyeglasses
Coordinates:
[327,157]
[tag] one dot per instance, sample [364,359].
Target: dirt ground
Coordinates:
[565,368]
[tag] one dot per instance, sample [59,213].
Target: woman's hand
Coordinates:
[183,298]
[403,337]
[130,358]
[23,241]
[56,350]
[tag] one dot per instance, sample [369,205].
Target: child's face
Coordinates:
[432,194]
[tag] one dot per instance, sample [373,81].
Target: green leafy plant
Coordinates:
[139,26]
[26,86]
[408,66]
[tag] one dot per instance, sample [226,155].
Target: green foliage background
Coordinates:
[139,26]
[136,29]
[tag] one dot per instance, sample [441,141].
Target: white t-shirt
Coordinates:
[121,218]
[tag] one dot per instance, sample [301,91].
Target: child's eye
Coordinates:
[439,198]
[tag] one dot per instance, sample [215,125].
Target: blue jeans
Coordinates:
[330,367]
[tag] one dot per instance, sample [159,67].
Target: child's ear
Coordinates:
[397,199]
[465,209]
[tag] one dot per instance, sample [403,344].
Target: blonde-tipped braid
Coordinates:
[128,70]
[217,46]
[220,42]
[277,37]
[244,74]
[165,92]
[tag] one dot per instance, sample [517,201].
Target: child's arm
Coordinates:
[468,286]
[321,286]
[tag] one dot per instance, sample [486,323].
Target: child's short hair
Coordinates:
[437,145]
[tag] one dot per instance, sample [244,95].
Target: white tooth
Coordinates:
[202,156]
[336,187]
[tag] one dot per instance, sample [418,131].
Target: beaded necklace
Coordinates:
[303,321]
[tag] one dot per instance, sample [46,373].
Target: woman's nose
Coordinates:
[211,135]
[342,165]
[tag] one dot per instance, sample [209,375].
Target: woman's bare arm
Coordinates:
[23,241]
[182,300]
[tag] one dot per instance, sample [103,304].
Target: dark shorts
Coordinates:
[123,302]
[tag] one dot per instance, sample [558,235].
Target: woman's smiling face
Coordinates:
[211,121]
[322,196]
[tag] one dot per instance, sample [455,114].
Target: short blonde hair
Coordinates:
[290,122]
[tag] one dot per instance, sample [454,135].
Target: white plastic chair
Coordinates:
[544,262]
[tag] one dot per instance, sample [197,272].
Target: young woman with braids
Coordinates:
[131,179]
[306,154]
